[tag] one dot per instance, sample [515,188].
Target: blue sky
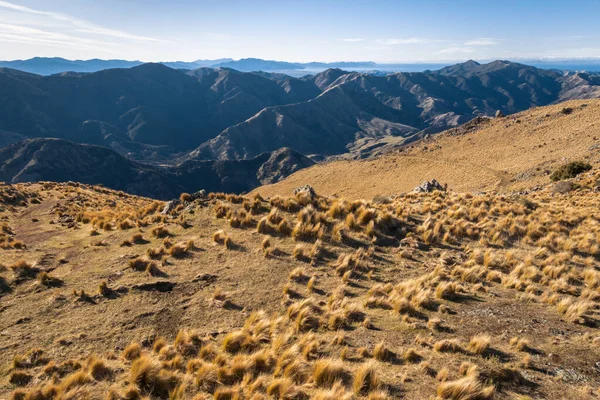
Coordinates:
[294,30]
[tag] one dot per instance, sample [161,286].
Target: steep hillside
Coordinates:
[429,295]
[134,110]
[153,113]
[358,109]
[61,161]
[502,154]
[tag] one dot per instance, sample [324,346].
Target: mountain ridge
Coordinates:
[60,160]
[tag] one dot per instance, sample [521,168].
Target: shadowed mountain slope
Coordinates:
[154,113]
[361,107]
[60,161]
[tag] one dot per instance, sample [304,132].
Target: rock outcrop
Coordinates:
[430,186]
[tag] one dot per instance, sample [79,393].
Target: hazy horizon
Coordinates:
[385,32]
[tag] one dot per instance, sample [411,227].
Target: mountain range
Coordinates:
[155,116]
[56,65]
[60,160]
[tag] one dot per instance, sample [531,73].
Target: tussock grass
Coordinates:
[326,372]
[479,344]
[365,380]
[465,389]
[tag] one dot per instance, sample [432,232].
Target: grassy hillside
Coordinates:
[460,296]
[503,154]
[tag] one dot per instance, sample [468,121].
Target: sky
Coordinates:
[300,31]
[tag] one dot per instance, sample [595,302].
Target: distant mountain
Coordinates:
[60,160]
[50,66]
[56,65]
[257,64]
[153,113]
[149,110]
[355,108]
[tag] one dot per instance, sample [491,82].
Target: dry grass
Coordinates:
[350,291]
[366,380]
[327,372]
[476,161]
[479,344]
[465,389]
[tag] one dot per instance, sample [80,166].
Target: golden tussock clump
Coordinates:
[464,389]
[411,356]
[185,197]
[519,344]
[326,372]
[382,353]
[448,346]
[479,344]
[220,237]
[365,380]
[179,250]
[46,279]
[104,290]
[298,275]
[442,374]
[156,253]
[98,368]
[299,252]
[131,352]
[266,243]
[160,232]
[139,264]
[150,378]
[310,285]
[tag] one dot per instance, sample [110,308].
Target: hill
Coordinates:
[61,161]
[154,113]
[57,65]
[445,294]
[359,109]
[502,154]
[142,107]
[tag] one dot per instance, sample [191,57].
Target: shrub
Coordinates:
[24,270]
[566,110]
[570,170]
[20,378]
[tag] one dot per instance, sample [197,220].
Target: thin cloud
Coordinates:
[412,40]
[352,40]
[457,50]
[33,34]
[481,42]
[81,25]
